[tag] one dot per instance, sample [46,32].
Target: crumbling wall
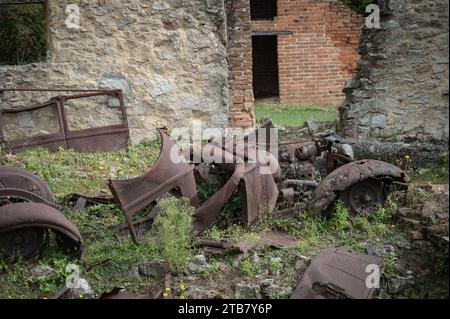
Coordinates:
[401,91]
[168,56]
[242,110]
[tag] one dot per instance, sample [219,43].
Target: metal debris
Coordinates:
[134,194]
[107,138]
[338,274]
[23,227]
[271,239]
[361,185]
[19,184]
[28,213]
[259,191]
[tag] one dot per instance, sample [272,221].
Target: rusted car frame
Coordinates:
[27,212]
[259,191]
[23,227]
[361,185]
[134,194]
[107,138]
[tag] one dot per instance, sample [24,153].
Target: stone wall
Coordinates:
[401,91]
[168,56]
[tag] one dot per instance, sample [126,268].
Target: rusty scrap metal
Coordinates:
[345,176]
[272,239]
[79,202]
[19,184]
[259,191]
[22,228]
[107,138]
[29,211]
[337,273]
[134,194]
[205,216]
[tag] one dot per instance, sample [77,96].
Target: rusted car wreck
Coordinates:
[316,171]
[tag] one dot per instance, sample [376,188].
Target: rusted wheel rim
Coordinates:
[363,197]
[26,242]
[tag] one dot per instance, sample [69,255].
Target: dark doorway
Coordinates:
[263,9]
[265,66]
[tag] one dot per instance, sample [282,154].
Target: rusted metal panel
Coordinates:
[15,180]
[135,194]
[205,216]
[345,176]
[337,273]
[17,219]
[107,138]
[271,239]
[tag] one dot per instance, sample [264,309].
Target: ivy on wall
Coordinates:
[23,34]
[358,6]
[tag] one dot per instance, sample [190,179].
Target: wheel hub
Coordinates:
[25,242]
[363,197]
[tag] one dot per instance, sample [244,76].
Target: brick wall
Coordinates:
[242,113]
[317,49]
[317,52]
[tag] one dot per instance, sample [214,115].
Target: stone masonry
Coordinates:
[401,91]
[168,56]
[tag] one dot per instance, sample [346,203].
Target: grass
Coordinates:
[436,175]
[117,258]
[68,171]
[173,229]
[294,115]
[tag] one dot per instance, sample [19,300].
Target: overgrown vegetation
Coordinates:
[294,115]
[23,33]
[68,171]
[358,6]
[173,228]
[111,259]
[436,175]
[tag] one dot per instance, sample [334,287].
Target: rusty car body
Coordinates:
[28,212]
[106,138]
[259,192]
[361,185]
[321,170]
[23,227]
[338,273]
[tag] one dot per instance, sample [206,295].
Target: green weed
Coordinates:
[173,228]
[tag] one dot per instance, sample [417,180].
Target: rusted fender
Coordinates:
[205,216]
[25,185]
[23,215]
[134,194]
[349,174]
